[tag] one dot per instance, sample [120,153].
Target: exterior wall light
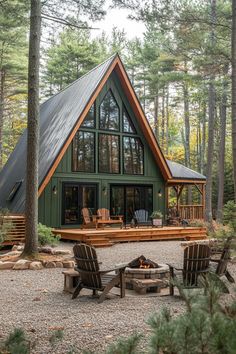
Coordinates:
[159,193]
[54,190]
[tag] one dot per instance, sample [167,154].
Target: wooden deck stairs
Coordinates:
[16,232]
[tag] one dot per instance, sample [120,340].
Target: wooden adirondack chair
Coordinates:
[141,218]
[222,262]
[91,277]
[88,219]
[196,262]
[104,218]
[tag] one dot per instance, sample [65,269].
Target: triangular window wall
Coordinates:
[128,126]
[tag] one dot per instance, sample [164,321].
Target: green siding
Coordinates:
[50,204]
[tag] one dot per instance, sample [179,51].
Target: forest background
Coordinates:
[180,68]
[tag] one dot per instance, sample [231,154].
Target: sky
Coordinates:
[118,18]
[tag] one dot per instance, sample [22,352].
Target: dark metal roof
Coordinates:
[58,116]
[182,172]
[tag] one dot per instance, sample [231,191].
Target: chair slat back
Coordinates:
[196,262]
[86,215]
[141,215]
[87,264]
[104,214]
[224,259]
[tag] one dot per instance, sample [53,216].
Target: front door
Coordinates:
[125,199]
[76,196]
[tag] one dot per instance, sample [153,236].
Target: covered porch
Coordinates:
[185,193]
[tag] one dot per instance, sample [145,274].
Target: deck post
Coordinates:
[203,200]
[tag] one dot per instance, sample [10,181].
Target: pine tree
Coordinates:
[13,61]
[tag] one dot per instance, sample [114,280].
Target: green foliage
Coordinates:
[17,343]
[229,214]
[205,327]
[156,215]
[5,225]
[13,72]
[56,336]
[125,346]
[46,237]
[74,55]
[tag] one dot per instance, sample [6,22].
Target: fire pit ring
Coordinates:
[144,280]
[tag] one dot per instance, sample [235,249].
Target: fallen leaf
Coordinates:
[56,328]
[37,298]
[86,325]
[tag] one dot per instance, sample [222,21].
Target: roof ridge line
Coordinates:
[72,83]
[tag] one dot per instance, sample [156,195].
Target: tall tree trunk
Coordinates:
[203,145]
[233,58]
[163,120]
[187,134]
[156,110]
[2,85]
[211,123]
[31,208]
[221,163]
[167,119]
[144,90]
[186,126]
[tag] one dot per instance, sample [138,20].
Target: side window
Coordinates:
[109,153]
[133,156]
[83,151]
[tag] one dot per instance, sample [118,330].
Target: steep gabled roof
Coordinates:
[60,118]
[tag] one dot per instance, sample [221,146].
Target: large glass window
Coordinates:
[109,152]
[109,113]
[128,126]
[83,152]
[75,197]
[89,120]
[132,155]
[125,200]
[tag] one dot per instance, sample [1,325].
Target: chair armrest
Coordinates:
[215,260]
[117,217]
[174,267]
[119,268]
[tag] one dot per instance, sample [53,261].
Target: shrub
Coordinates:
[156,215]
[5,225]
[56,336]
[229,215]
[46,237]
[205,327]
[17,343]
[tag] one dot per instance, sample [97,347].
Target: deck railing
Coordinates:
[191,212]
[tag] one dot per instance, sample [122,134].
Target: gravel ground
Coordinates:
[34,300]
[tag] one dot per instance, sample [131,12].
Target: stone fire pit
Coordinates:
[147,280]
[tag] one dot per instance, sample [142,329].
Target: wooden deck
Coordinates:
[110,236]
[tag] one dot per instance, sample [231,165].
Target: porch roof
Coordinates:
[182,173]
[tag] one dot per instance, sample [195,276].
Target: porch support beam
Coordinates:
[199,190]
[179,191]
[203,200]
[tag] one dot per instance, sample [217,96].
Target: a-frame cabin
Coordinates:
[97,150]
